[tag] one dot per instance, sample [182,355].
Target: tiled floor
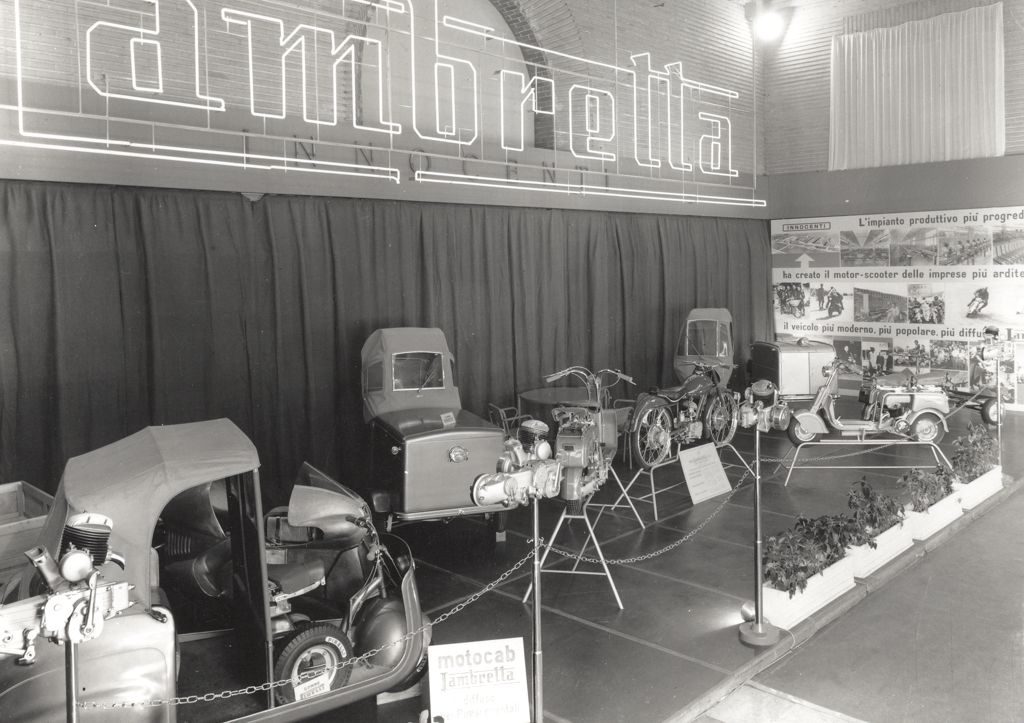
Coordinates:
[675,641]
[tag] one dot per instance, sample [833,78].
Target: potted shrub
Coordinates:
[975,462]
[880,534]
[805,568]
[933,504]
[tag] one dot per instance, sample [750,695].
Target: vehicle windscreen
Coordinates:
[704,337]
[417,370]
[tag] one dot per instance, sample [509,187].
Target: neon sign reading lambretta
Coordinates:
[126,60]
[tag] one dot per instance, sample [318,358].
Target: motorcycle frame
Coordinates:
[663,401]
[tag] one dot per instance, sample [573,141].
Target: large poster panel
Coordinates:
[910,291]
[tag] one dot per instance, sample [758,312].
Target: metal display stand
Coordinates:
[938,454]
[618,504]
[651,497]
[591,537]
[538,649]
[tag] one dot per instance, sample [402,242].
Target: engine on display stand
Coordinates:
[761,407]
[525,473]
[525,470]
[764,411]
[77,603]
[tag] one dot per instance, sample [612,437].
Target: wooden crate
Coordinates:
[23,509]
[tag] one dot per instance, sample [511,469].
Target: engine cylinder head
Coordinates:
[531,432]
[89,532]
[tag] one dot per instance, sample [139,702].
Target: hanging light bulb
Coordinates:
[767,23]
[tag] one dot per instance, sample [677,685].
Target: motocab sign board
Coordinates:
[483,680]
[908,290]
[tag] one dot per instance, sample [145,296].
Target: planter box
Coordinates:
[889,545]
[925,524]
[980,489]
[23,510]
[784,611]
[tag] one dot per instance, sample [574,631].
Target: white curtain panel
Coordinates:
[929,90]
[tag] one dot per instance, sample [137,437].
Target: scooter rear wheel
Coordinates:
[927,428]
[309,653]
[798,435]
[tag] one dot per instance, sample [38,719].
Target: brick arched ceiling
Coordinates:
[547,24]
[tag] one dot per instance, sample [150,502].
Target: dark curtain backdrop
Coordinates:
[122,307]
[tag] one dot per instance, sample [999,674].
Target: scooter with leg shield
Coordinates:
[912,411]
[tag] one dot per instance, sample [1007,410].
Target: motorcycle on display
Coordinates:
[911,410]
[700,408]
[588,433]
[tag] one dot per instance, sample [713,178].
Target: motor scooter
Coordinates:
[834,305]
[588,434]
[911,410]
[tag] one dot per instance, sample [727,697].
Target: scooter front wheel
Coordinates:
[798,434]
[313,653]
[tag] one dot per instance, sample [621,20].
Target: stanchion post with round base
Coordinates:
[538,651]
[758,631]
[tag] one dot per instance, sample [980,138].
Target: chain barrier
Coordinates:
[348,662]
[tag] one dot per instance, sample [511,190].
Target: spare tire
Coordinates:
[311,652]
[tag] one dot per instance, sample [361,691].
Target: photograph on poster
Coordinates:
[795,250]
[848,349]
[1008,245]
[838,305]
[996,302]
[950,356]
[864,249]
[926,304]
[983,362]
[965,246]
[880,303]
[917,247]
[792,298]
[912,355]
[875,355]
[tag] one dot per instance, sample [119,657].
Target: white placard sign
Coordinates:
[478,681]
[705,476]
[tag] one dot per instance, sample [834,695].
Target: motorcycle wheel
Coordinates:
[721,418]
[927,428]
[798,312]
[315,650]
[798,435]
[990,413]
[651,438]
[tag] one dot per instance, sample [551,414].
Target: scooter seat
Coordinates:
[293,577]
